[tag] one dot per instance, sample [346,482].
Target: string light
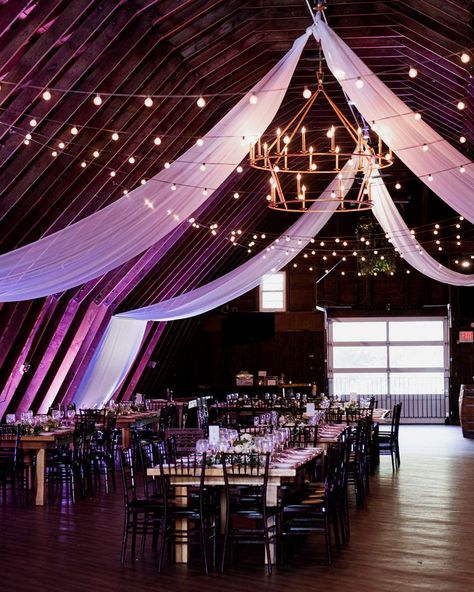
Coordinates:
[96,154]
[306,93]
[200,142]
[425,147]
[112,173]
[26,141]
[61,145]
[398,186]
[83,164]
[417,116]
[46,95]
[462,139]
[465,58]
[412,72]
[253,99]
[239,169]
[148,102]
[236,195]
[204,191]
[173,187]
[359,82]
[201,102]
[54,153]
[97,100]
[430,177]
[461,105]
[143,181]
[131,160]
[157,141]
[167,165]
[74,131]
[115,136]
[33,122]
[462,169]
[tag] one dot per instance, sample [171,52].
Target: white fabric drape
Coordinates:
[248,275]
[396,124]
[110,363]
[112,236]
[105,374]
[392,223]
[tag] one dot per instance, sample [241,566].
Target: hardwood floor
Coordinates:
[416,534]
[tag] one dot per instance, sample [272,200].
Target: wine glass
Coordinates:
[11,418]
[202,445]
[56,414]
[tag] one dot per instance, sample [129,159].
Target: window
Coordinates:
[388,356]
[273,292]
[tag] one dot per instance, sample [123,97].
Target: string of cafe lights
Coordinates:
[201,98]
[60,147]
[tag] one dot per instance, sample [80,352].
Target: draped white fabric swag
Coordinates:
[104,375]
[396,124]
[115,234]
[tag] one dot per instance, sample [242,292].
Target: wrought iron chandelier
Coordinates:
[295,155]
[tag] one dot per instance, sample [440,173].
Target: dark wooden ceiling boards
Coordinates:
[148,47]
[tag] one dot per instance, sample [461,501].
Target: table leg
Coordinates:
[181,548]
[40,477]
[272,500]
[125,437]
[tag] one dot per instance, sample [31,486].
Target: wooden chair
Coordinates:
[248,517]
[13,471]
[192,512]
[387,441]
[141,515]
[184,439]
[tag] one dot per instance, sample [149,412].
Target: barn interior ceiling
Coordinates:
[126,76]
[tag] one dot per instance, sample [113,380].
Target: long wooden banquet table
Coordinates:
[126,422]
[284,470]
[39,443]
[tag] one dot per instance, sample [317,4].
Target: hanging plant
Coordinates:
[373,257]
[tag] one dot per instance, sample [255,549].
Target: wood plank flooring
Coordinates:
[416,534]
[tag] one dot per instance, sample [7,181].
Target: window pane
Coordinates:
[416,331]
[362,384]
[417,383]
[272,300]
[360,357]
[356,331]
[417,356]
[273,282]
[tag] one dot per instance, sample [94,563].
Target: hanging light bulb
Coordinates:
[430,177]
[115,136]
[253,99]
[131,160]
[359,82]
[143,181]
[200,142]
[461,105]
[417,116]
[28,136]
[157,141]
[412,72]
[74,131]
[462,139]
[83,164]
[167,165]
[201,102]
[96,154]
[173,187]
[465,58]
[54,153]
[112,173]
[239,169]
[203,167]
[398,186]
[425,147]
[33,122]
[47,95]
[462,169]
[204,191]
[97,100]
[148,102]
[236,195]
[62,145]
[306,93]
